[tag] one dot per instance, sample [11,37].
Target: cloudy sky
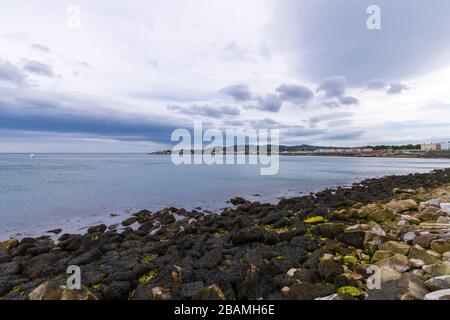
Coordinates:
[122,75]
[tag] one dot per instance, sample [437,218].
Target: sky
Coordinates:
[121,76]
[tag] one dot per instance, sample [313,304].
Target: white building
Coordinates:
[435,146]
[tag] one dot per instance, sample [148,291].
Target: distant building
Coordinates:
[435,146]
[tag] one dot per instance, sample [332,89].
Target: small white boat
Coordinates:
[32,155]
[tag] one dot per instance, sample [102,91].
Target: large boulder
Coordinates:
[438,283]
[400,206]
[418,253]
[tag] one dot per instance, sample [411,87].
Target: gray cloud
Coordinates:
[334,38]
[348,100]
[294,93]
[396,87]
[35,112]
[333,87]
[40,47]
[206,111]
[238,92]
[269,103]
[9,73]
[39,68]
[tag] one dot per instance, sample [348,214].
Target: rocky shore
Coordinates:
[320,246]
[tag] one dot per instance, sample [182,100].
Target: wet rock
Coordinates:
[329,270]
[397,262]
[354,239]
[146,226]
[97,229]
[310,291]
[438,295]
[238,201]
[143,216]
[70,242]
[211,292]
[438,283]
[55,231]
[408,287]
[396,247]
[440,245]
[129,221]
[167,219]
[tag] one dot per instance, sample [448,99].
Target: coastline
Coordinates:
[301,248]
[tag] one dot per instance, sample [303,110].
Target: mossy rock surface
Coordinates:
[315,220]
[348,290]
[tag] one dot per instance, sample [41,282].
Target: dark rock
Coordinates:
[329,270]
[254,284]
[247,235]
[354,239]
[10,268]
[237,201]
[330,229]
[189,290]
[143,216]
[87,257]
[146,226]
[117,290]
[55,231]
[97,229]
[129,221]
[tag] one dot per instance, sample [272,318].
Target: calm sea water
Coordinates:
[74,190]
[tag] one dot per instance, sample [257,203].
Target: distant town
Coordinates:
[426,150]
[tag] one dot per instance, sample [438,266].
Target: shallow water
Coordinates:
[74,190]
